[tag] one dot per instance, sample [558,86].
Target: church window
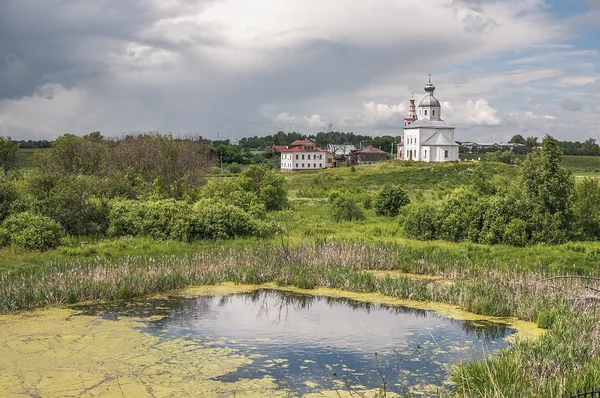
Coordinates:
[446,154]
[308,164]
[296,163]
[296,157]
[308,157]
[302,158]
[302,165]
[314,165]
[321,165]
[425,112]
[425,152]
[433,112]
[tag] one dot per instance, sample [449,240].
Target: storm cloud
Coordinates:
[250,67]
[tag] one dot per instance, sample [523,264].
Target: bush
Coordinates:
[148,218]
[390,200]
[345,208]
[419,220]
[234,168]
[587,208]
[209,220]
[4,237]
[33,231]
[8,195]
[515,233]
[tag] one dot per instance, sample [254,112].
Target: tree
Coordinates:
[587,208]
[548,193]
[8,153]
[390,200]
[531,143]
[517,139]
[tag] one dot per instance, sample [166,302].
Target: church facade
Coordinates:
[427,138]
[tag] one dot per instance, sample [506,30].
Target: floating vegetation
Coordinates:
[231,340]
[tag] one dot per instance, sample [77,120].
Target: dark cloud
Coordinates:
[571,105]
[65,42]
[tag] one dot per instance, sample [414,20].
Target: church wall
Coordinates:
[439,153]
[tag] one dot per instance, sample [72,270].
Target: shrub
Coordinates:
[33,231]
[390,200]
[8,195]
[367,201]
[149,218]
[8,153]
[515,233]
[4,237]
[267,184]
[235,168]
[209,220]
[587,208]
[345,208]
[420,220]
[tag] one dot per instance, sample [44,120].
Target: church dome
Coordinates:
[429,100]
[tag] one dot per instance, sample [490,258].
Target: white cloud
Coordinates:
[374,115]
[315,121]
[471,113]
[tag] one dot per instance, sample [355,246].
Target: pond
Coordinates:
[263,342]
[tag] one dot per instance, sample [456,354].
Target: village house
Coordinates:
[303,155]
[366,155]
[427,138]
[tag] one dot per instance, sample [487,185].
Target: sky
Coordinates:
[237,68]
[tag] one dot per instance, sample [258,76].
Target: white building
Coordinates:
[304,155]
[427,138]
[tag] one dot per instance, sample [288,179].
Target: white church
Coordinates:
[427,138]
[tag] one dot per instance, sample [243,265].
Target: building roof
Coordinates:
[294,149]
[438,124]
[429,100]
[439,139]
[279,147]
[302,142]
[369,149]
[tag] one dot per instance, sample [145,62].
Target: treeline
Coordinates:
[146,184]
[38,144]
[587,148]
[543,206]
[322,139]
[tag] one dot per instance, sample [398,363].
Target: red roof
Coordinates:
[294,149]
[279,147]
[301,142]
[370,149]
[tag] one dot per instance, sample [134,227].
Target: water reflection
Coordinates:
[307,342]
